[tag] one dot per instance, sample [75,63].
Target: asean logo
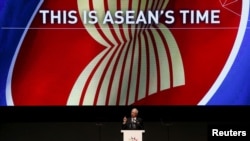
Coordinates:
[138,61]
[133,139]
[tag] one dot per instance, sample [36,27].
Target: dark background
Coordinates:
[90,131]
[99,123]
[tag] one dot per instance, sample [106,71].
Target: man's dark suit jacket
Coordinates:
[138,125]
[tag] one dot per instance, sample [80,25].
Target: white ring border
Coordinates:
[9,99]
[232,56]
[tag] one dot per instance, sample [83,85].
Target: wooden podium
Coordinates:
[132,135]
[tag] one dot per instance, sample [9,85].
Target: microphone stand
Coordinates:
[165,124]
[99,124]
[138,124]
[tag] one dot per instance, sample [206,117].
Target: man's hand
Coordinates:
[124,120]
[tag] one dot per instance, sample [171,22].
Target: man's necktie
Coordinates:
[133,123]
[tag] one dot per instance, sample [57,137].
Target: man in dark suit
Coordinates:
[134,122]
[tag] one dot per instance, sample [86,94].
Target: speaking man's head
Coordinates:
[134,112]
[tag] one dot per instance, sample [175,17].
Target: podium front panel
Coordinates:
[132,135]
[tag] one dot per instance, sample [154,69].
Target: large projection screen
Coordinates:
[124,52]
